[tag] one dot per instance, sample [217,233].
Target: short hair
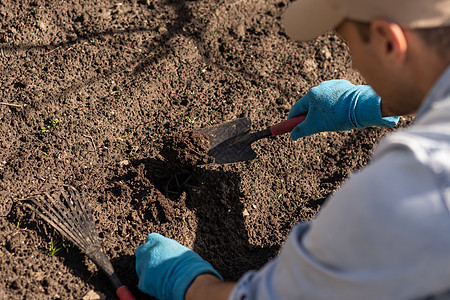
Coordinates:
[436,37]
[363,29]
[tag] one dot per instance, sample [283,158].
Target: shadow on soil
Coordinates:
[216,201]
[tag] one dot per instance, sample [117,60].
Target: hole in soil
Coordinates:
[184,102]
[177,184]
[171,180]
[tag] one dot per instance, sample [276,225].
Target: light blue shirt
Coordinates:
[385,234]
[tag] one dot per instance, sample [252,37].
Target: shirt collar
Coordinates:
[439,91]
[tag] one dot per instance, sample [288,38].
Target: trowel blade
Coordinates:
[220,133]
[228,152]
[221,138]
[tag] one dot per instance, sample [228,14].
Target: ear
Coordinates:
[390,38]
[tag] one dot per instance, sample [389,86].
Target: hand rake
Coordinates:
[72,218]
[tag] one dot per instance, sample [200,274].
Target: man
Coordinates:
[386,233]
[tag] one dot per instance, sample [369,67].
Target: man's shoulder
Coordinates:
[427,144]
[408,176]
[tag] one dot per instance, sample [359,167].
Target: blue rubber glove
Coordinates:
[337,105]
[166,268]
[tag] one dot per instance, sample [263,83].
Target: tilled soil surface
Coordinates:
[100,94]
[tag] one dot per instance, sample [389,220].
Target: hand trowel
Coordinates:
[231,142]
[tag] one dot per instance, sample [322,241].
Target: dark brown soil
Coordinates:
[189,148]
[90,91]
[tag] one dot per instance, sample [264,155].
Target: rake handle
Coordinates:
[124,293]
[286,126]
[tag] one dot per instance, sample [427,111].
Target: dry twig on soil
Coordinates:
[13,105]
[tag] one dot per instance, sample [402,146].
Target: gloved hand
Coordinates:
[338,105]
[166,268]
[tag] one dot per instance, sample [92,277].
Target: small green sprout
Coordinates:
[47,127]
[190,120]
[121,138]
[54,247]
[133,151]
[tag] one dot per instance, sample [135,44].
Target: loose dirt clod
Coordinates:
[188,148]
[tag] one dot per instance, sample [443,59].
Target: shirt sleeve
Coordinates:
[376,238]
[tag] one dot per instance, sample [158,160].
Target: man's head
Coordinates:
[395,44]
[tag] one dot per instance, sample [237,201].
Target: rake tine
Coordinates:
[89,212]
[71,210]
[84,213]
[61,229]
[58,220]
[61,214]
[66,220]
[72,214]
[74,208]
[81,202]
[78,226]
[50,211]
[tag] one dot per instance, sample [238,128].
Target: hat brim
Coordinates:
[307,19]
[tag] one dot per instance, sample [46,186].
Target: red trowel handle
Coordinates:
[286,126]
[124,293]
